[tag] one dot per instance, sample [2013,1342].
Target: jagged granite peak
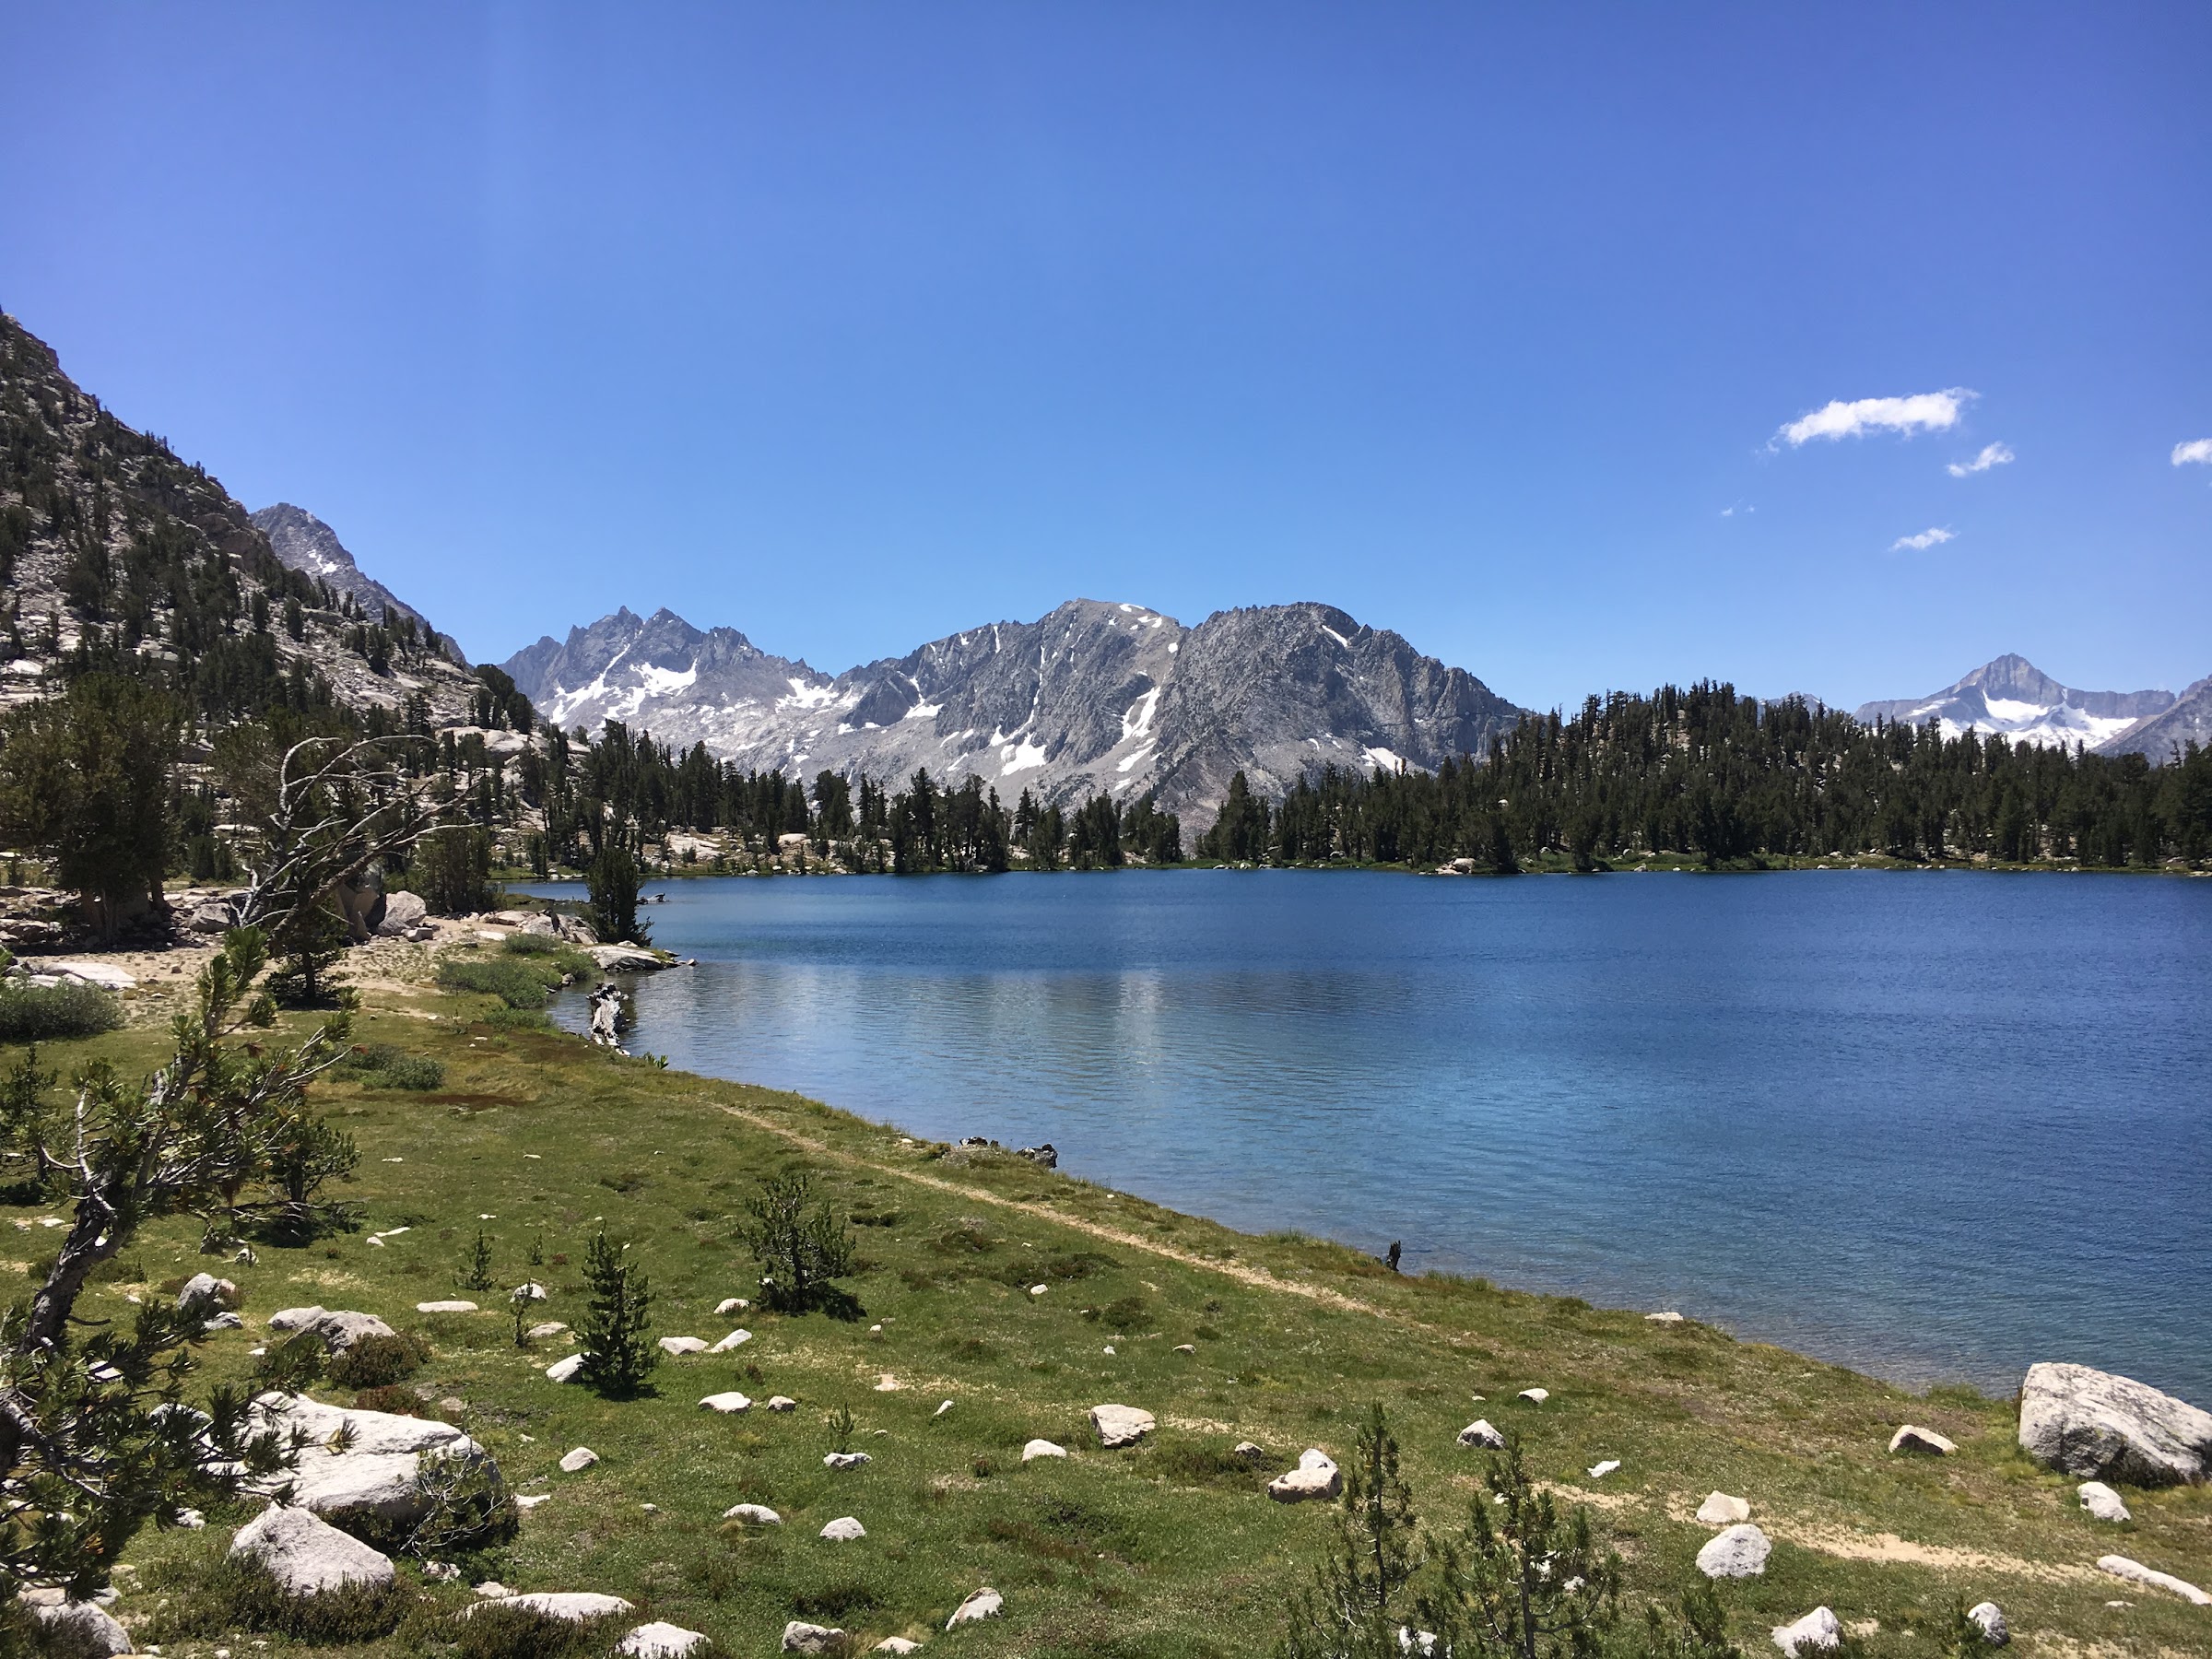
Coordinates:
[1094,697]
[305,543]
[2013,696]
[2167,734]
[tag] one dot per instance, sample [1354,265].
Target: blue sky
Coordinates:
[851,326]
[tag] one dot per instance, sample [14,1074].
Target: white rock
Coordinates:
[896,1644]
[573,1605]
[845,1460]
[731,1401]
[660,1640]
[441,1572]
[339,1328]
[530,1292]
[782,1402]
[305,1554]
[757,1514]
[888,1383]
[2102,1502]
[1186,1347]
[1536,1396]
[404,912]
[1041,1448]
[83,1627]
[1039,1289]
[106,975]
[206,1287]
[1315,1476]
[730,1304]
[376,1475]
[1720,1510]
[1598,1471]
[2102,1427]
[526,1502]
[624,959]
[1669,1317]
[1990,1619]
[581,1457]
[1818,1629]
[1926,1441]
[551,1327]
[1740,1552]
[942,1408]
[2121,1567]
[191,1519]
[492,1589]
[844,1530]
[736,1339]
[450,1306]
[984,1603]
[1480,1433]
[682,1345]
[1120,1424]
[799,1637]
[1248,1452]
[565,1370]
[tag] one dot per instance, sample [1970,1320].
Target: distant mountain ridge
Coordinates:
[2011,695]
[1094,697]
[305,543]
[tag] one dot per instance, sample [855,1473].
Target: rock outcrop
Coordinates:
[1316,1475]
[2103,1426]
[306,1555]
[1120,1425]
[377,1473]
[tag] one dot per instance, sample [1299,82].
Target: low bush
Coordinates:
[536,944]
[40,1013]
[490,1632]
[213,1599]
[378,1361]
[386,1065]
[518,981]
[393,1398]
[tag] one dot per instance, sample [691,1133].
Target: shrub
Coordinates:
[40,1013]
[516,980]
[517,1019]
[801,1245]
[616,1331]
[394,1399]
[379,1361]
[1126,1314]
[490,1632]
[213,1599]
[534,944]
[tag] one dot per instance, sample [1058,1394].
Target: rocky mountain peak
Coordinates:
[2012,696]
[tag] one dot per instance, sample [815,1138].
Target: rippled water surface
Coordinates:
[1931,1125]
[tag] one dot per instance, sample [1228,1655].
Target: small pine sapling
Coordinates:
[616,1329]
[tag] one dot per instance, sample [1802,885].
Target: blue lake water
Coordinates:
[1933,1126]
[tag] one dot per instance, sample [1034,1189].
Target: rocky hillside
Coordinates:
[304,543]
[2012,695]
[1094,697]
[112,549]
[2164,735]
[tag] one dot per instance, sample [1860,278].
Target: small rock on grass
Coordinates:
[736,1339]
[2136,1573]
[1721,1509]
[565,1370]
[571,1606]
[1668,1317]
[82,1627]
[1041,1448]
[1186,1347]
[582,1457]
[1536,1396]
[799,1637]
[1480,1433]
[1598,1471]
[1740,1552]
[660,1640]
[941,1410]
[551,1327]
[680,1346]
[445,1307]
[1315,1476]
[844,1530]
[1817,1629]
[1925,1442]
[984,1603]
[730,1304]
[755,1514]
[782,1402]
[731,1401]
[1120,1425]
[1248,1451]
[845,1460]
[1989,1619]
[896,1644]
[2102,1502]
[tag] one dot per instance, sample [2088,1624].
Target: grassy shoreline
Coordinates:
[1171,1548]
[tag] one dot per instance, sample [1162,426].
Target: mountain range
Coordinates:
[2012,696]
[1094,697]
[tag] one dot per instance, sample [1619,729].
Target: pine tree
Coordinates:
[1521,1583]
[802,1245]
[1357,1604]
[615,1331]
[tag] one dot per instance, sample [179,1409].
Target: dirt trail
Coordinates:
[1257,1278]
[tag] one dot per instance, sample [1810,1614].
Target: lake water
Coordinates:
[1931,1125]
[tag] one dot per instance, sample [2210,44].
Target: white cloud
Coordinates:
[1924,541]
[1993,455]
[1739,506]
[1923,412]
[2198,450]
